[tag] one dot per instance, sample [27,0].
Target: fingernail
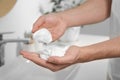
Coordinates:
[21,52]
[33,31]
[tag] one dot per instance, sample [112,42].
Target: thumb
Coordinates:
[61,60]
[38,23]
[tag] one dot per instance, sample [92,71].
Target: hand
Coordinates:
[54,23]
[41,62]
[73,55]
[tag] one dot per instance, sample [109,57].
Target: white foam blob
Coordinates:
[52,50]
[43,36]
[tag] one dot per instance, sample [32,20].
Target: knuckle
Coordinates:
[56,61]
[55,69]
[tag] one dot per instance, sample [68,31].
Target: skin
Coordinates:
[92,11]
[55,24]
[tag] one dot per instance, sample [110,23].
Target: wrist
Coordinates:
[86,54]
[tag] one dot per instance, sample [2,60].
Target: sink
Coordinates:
[23,69]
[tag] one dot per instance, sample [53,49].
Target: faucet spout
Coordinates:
[26,41]
[2,42]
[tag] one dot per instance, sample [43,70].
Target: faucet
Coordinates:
[3,42]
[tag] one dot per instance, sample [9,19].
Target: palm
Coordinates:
[54,24]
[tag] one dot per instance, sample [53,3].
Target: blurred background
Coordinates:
[20,18]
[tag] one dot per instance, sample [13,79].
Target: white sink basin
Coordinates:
[22,69]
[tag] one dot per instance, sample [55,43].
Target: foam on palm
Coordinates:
[48,49]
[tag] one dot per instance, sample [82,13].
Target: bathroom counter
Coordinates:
[85,40]
[13,70]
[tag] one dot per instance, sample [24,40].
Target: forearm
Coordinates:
[92,11]
[103,50]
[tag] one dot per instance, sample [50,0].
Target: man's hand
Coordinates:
[41,62]
[73,55]
[54,23]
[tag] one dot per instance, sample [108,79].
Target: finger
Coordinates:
[28,54]
[60,60]
[38,23]
[59,67]
[36,59]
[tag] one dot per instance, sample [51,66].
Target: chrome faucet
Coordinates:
[3,42]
